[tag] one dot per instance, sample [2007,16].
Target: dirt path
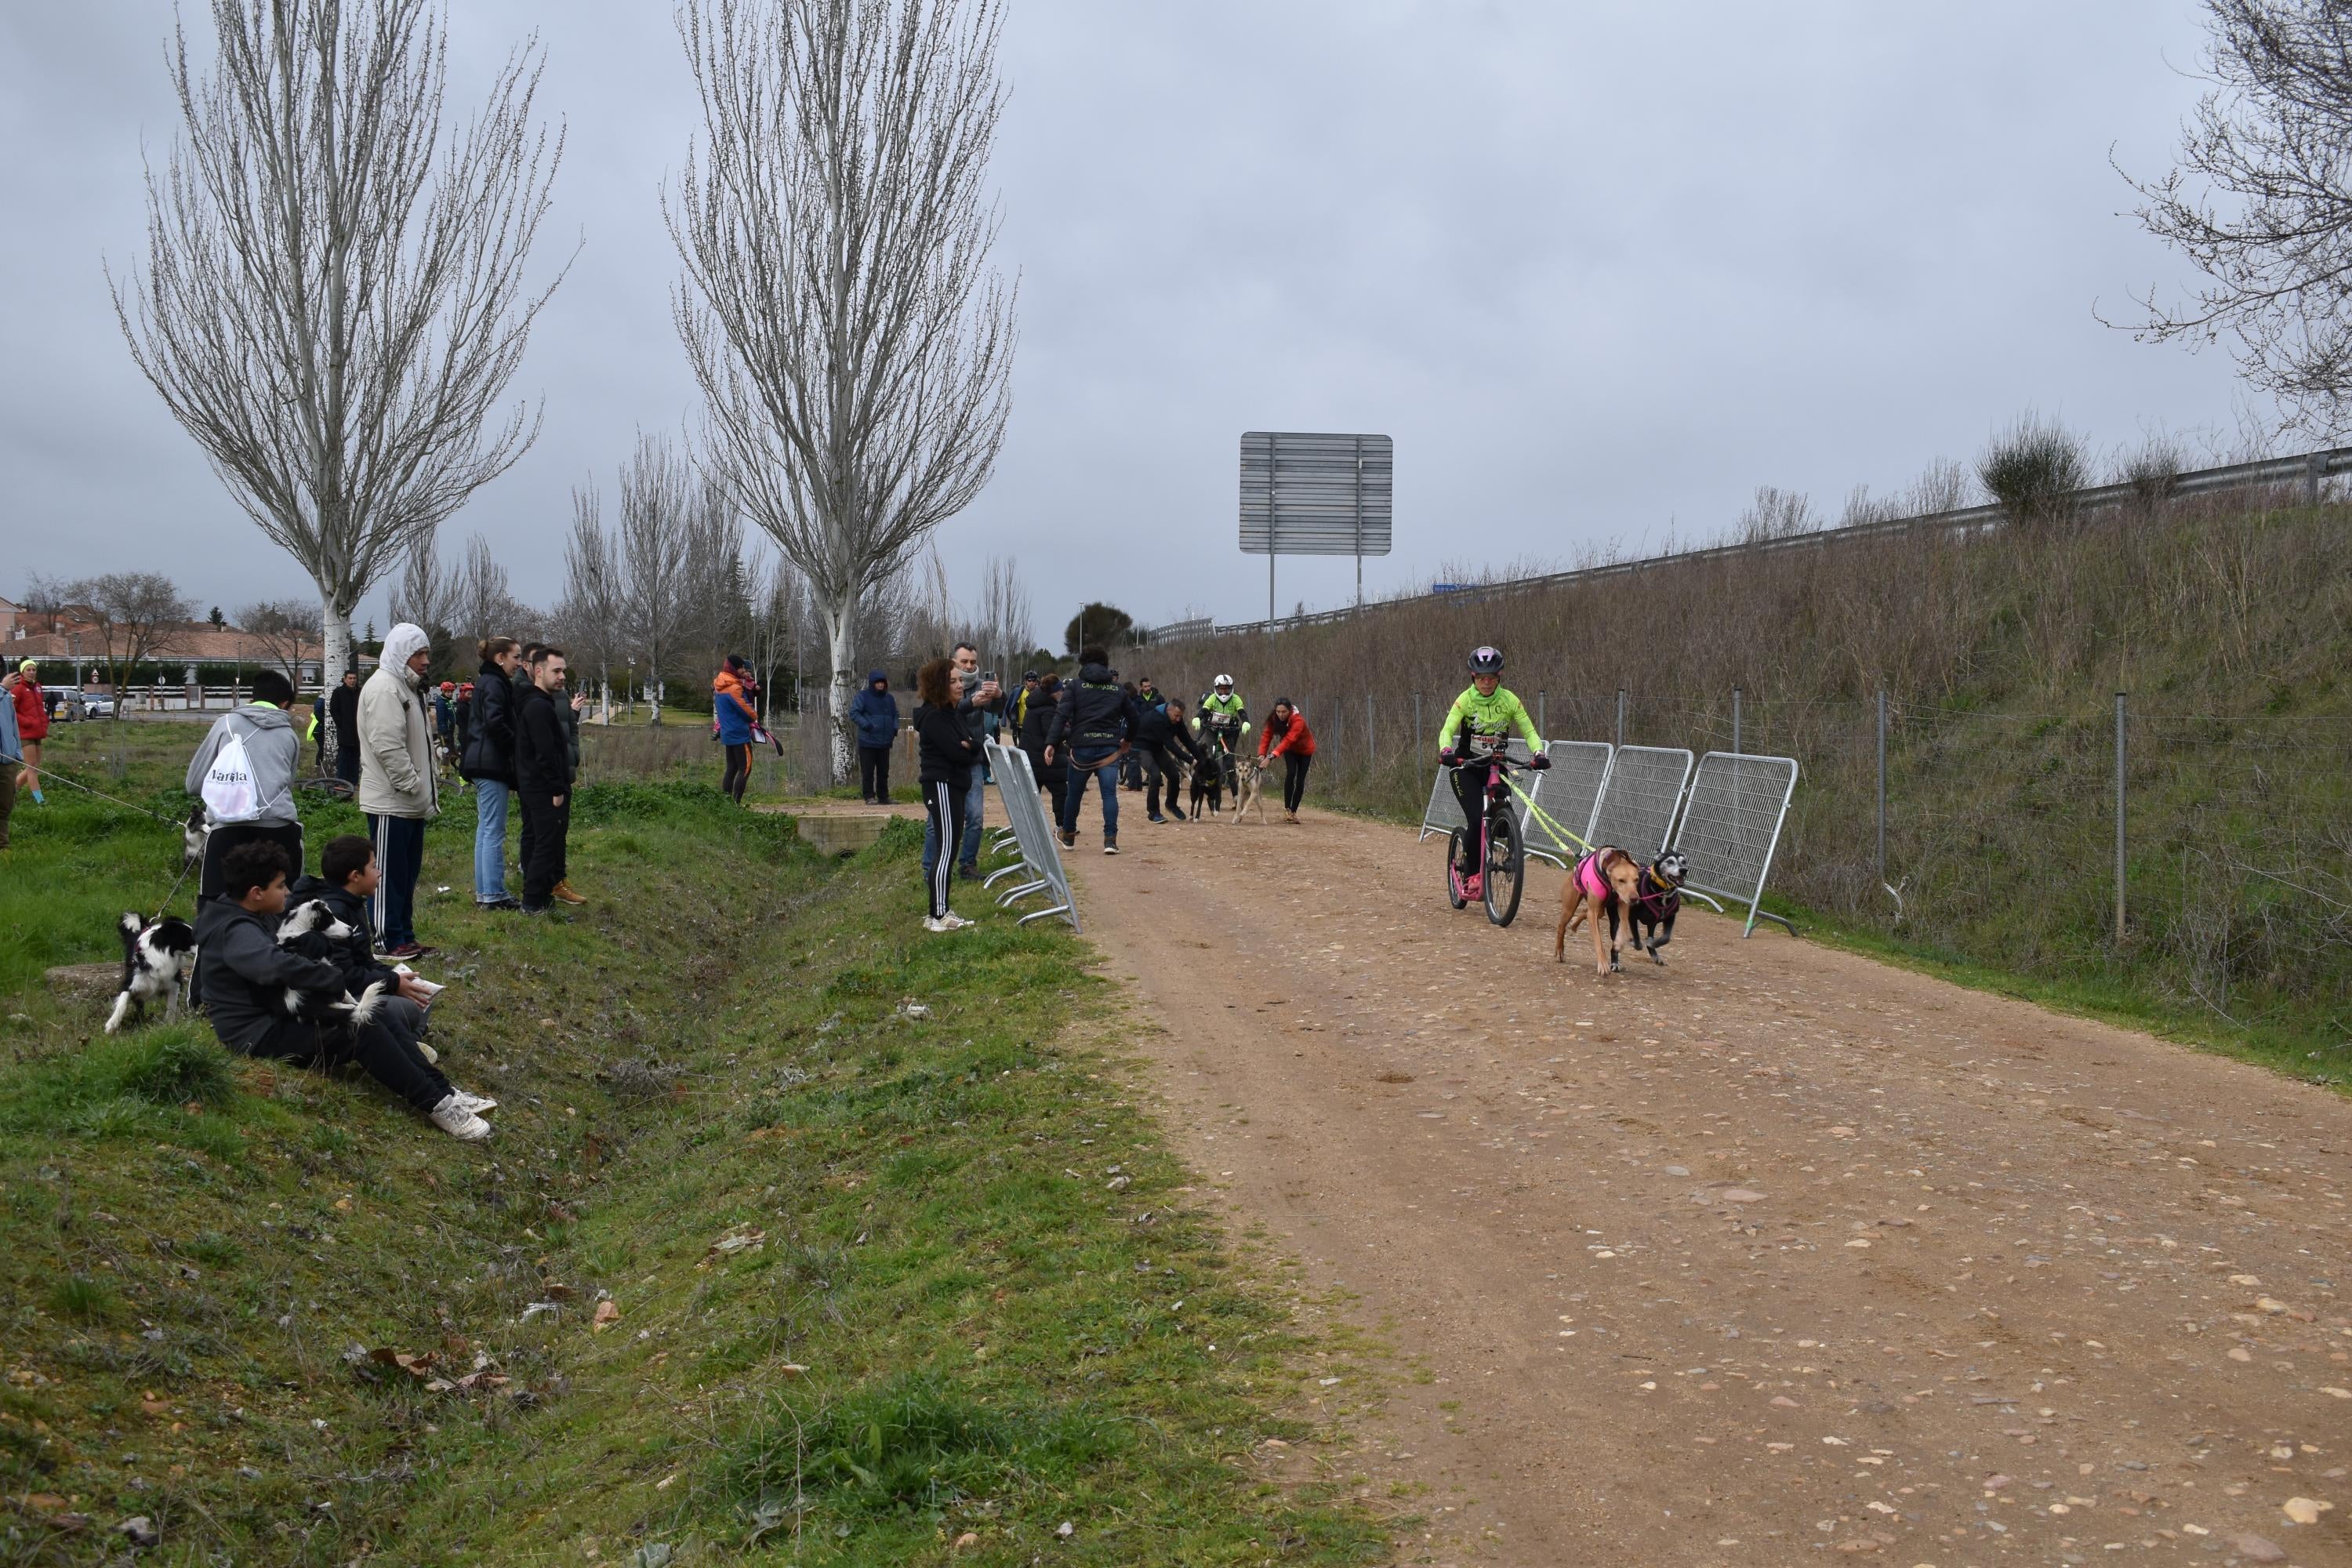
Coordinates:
[1772,1253]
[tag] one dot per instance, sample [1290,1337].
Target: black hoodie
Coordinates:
[241,971]
[543,746]
[489,728]
[1096,712]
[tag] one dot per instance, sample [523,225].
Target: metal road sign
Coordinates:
[1305,493]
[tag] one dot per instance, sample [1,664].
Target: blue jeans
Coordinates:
[1083,772]
[968,846]
[490,798]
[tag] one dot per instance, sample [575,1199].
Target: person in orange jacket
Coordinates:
[1287,737]
[737,719]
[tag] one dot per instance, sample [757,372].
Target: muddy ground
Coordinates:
[1773,1253]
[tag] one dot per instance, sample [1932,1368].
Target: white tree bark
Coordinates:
[841,644]
[853,346]
[332,303]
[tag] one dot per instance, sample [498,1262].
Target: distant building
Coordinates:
[71,637]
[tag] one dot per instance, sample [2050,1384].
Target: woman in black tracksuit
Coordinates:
[945,752]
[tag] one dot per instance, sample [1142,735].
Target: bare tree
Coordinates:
[853,346]
[140,616]
[428,594]
[287,629]
[590,613]
[2262,204]
[1006,630]
[333,301]
[678,530]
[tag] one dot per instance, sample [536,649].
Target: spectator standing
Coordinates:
[736,719]
[464,710]
[1131,772]
[1095,722]
[486,761]
[12,752]
[263,729]
[945,752]
[873,713]
[543,773]
[1036,720]
[343,713]
[244,972]
[32,725]
[399,787]
[975,701]
[445,724]
[1286,736]
[1161,737]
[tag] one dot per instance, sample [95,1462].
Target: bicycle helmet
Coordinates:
[1486,660]
[1223,683]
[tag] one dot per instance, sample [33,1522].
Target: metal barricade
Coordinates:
[1041,854]
[1635,811]
[1444,812]
[1731,826]
[1566,795]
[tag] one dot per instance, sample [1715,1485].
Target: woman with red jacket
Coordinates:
[1287,737]
[32,724]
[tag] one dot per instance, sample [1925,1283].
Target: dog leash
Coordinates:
[1544,816]
[178,881]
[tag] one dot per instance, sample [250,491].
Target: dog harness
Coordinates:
[1590,877]
[1659,897]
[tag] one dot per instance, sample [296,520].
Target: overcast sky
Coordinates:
[1600,272]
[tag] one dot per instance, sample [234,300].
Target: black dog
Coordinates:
[155,957]
[1657,900]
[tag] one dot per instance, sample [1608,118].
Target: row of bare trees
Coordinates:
[335,301]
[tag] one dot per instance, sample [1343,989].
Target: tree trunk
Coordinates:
[839,624]
[334,651]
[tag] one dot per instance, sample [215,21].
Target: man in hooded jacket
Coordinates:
[399,789]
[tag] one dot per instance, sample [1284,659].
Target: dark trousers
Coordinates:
[287,836]
[545,825]
[1085,770]
[739,771]
[1157,769]
[874,772]
[389,1055]
[1470,790]
[1294,780]
[400,855]
[346,760]
[943,803]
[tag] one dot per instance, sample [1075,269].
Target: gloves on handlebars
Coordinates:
[1539,762]
[1447,759]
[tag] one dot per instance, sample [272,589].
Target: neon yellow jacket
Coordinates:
[1496,716]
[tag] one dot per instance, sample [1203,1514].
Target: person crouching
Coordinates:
[244,974]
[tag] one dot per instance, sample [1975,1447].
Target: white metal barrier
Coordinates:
[1731,826]
[1041,853]
[1567,793]
[1635,811]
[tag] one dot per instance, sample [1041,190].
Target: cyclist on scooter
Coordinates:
[1476,728]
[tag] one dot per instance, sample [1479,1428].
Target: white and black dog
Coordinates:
[310,929]
[192,839]
[156,956]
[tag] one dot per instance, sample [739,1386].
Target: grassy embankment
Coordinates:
[2231,627]
[879,1280]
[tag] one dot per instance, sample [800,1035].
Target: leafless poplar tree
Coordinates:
[853,346]
[333,301]
[1006,631]
[678,530]
[140,616]
[590,614]
[287,629]
[481,602]
[2262,204]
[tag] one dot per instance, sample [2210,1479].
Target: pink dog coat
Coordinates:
[1588,877]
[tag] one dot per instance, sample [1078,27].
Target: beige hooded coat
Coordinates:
[396,774]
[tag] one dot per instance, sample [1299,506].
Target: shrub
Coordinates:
[2033,469]
[174,1064]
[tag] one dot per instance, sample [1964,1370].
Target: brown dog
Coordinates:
[1603,882]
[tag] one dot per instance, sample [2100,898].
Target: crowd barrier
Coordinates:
[1033,832]
[1563,798]
[1731,825]
[1636,809]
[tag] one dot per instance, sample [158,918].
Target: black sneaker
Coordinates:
[1109,848]
[1069,838]
[1161,820]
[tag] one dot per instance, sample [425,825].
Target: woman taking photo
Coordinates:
[487,763]
[946,751]
[1287,737]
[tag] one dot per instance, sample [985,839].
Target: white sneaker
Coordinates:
[476,1103]
[936,923]
[453,1118]
[957,921]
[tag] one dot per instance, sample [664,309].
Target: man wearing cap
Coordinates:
[874,712]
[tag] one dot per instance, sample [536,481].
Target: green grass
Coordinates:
[984,1301]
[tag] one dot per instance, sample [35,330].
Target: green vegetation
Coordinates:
[803,1236]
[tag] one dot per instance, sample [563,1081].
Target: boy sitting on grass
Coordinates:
[347,878]
[244,975]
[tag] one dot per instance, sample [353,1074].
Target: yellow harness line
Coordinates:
[1544,816]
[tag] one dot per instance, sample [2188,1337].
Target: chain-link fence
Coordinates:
[1996,840]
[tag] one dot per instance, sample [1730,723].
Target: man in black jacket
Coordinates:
[1095,722]
[1036,717]
[246,973]
[343,713]
[1158,732]
[543,775]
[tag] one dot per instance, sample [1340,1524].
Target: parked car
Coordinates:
[97,705]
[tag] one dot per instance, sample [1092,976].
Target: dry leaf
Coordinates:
[608,1312]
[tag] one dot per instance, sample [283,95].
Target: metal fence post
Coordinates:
[1418,759]
[1882,784]
[1735,720]
[2119,821]
[1541,728]
[1621,715]
[1372,738]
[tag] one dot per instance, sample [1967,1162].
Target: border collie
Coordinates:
[155,957]
[192,839]
[308,929]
